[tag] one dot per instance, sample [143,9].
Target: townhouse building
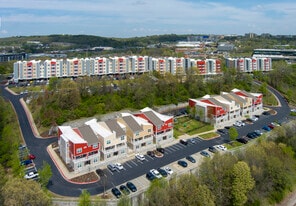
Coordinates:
[79,147]
[162,125]
[112,138]
[139,132]
[224,109]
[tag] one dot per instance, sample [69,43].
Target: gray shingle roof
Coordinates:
[114,126]
[88,134]
[153,118]
[132,123]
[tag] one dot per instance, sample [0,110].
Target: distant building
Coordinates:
[225,47]
[275,54]
[250,64]
[13,57]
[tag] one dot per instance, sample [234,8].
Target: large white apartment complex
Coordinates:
[100,66]
[250,64]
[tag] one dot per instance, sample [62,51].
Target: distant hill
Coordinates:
[92,41]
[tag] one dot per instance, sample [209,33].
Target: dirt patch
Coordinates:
[89,177]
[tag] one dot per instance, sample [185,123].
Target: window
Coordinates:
[95,146]
[79,150]
[79,165]
[96,160]
[108,141]
[137,133]
[149,130]
[122,137]
[108,155]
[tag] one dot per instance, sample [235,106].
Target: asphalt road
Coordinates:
[133,168]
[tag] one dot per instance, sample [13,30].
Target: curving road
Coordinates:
[133,167]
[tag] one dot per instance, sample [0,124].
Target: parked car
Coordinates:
[221,147]
[213,149]
[119,166]
[26,162]
[271,126]
[182,163]
[183,141]
[237,124]
[266,128]
[124,189]
[168,170]
[193,141]
[131,186]
[222,131]
[160,149]
[150,176]
[151,153]
[252,135]
[258,132]
[111,167]
[162,172]
[266,113]
[31,175]
[140,157]
[191,159]
[205,154]
[156,173]
[31,156]
[242,140]
[116,192]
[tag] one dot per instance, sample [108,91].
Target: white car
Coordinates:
[140,157]
[237,124]
[118,166]
[156,173]
[31,175]
[242,123]
[168,170]
[221,147]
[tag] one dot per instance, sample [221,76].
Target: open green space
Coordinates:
[186,125]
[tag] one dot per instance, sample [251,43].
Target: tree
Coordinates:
[233,134]
[157,194]
[19,191]
[84,198]
[124,201]
[242,183]
[45,174]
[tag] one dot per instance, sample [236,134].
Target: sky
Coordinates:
[137,18]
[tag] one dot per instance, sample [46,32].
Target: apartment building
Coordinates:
[226,108]
[79,147]
[139,132]
[162,125]
[100,66]
[250,64]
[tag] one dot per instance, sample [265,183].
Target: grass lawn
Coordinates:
[209,135]
[186,125]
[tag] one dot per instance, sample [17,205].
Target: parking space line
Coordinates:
[134,163]
[128,165]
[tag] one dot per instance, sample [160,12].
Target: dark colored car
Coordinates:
[26,162]
[227,127]
[150,176]
[242,140]
[266,113]
[100,172]
[204,153]
[191,159]
[222,131]
[252,135]
[160,149]
[266,128]
[131,186]
[151,153]
[183,141]
[182,163]
[124,189]
[116,192]
[162,172]
[213,149]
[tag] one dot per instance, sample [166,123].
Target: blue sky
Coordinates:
[131,18]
